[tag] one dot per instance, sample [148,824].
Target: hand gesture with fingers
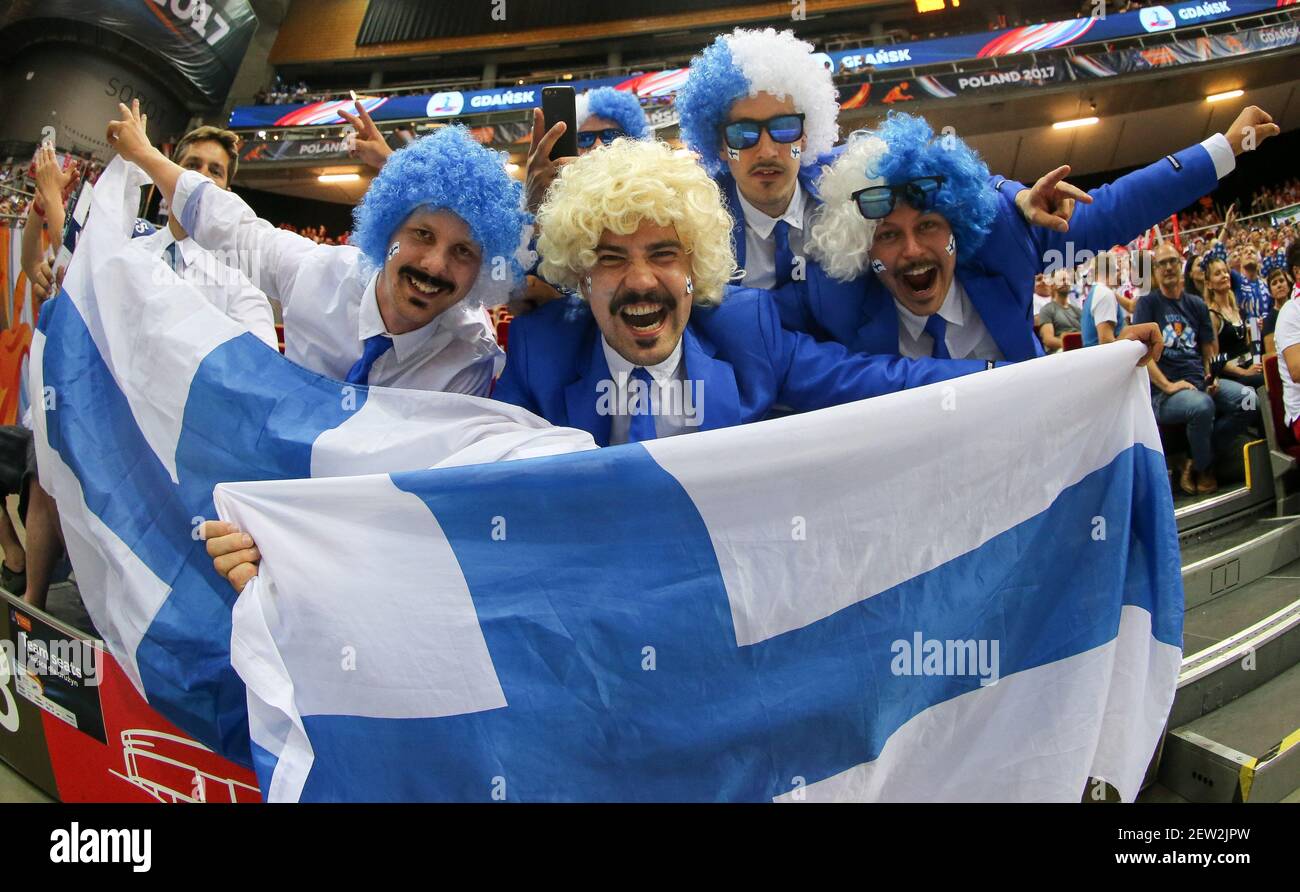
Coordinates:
[51,179]
[370,147]
[541,170]
[128,135]
[1050,202]
[234,554]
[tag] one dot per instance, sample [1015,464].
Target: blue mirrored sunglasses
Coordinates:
[877,202]
[745,134]
[587,138]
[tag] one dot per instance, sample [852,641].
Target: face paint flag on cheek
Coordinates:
[392,251]
[795,151]
[877,267]
[690,286]
[952,244]
[733,154]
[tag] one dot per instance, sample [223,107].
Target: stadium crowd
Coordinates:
[749,263]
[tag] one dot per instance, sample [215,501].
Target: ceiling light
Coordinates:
[339,177]
[1077,122]
[1219,97]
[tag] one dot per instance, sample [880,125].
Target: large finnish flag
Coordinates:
[147,397]
[960,592]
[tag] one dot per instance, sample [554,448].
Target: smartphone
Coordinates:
[560,104]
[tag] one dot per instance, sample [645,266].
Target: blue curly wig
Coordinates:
[966,200]
[1218,252]
[445,170]
[619,106]
[901,148]
[746,63]
[715,82]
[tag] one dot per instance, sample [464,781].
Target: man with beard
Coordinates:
[437,238]
[925,259]
[649,347]
[1183,389]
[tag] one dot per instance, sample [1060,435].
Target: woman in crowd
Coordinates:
[1234,341]
[1279,285]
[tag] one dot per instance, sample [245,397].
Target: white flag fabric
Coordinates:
[146,397]
[960,592]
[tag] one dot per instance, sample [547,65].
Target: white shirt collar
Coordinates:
[762,224]
[457,321]
[662,372]
[953,310]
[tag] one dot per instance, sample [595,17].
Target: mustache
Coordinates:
[626,298]
[435,281]
[915,265]
[766,166]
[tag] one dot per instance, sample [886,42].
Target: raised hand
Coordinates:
[128,135]
[541,170]
[1050,201]
[1252,127]
[51,179]
[369,147]
[234,554]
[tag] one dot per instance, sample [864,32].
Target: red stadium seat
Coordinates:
[503,332]
[279,336]
[1071,340]
[1286,440]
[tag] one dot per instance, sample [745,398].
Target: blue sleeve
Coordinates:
[1124,209]
[1144,311]
[814,375]
[1206,333]
[791,301]
[512,386]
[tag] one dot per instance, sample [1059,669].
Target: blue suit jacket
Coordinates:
[861,314]
[745,359]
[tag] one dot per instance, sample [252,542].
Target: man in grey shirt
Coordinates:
[1060,316]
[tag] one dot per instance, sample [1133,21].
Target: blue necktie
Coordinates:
[937,327]
[172,257]
[643,422]
[784,256]
[375,347]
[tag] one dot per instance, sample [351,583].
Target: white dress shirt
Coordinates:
[225,287]
[966,335]
[327,296]
[669,408]
[760,243]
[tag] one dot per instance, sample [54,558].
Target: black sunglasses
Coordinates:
[877,202]
[745,134]
[587,138]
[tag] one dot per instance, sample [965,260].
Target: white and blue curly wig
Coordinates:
[619,106]
[745,63]
[448,170]
[902,148]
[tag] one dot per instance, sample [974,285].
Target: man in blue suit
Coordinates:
[651,348]
[917,255]
[759,108]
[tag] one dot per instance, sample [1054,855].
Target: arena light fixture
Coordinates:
[339,177]
[1219,97]
[1077,122]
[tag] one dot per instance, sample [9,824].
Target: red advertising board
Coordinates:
[141,758]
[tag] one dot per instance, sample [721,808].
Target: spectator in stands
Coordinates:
[1279,287]
[921,246]
[1103,317]
[1251,290]
[1059,317]
[1183,389]
[1235,356]
[437,238]
[605,114]
[641,235]
[760,111]
[1287,337]
[1042,297]
[1194,275]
